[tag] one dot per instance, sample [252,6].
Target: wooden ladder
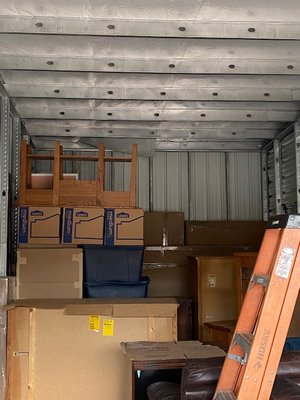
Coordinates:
[251,364]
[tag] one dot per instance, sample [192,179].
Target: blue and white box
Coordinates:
[124,226]
[39,225]
[83,225]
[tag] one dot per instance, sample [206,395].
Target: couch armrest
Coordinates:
[200,377]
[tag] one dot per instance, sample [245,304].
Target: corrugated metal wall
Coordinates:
[271,183]
[287,183]
[244,186]
[203,185]
[288,175]
[208,186]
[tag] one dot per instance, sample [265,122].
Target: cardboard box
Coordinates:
[124,226]
[39,225]
[164,229]
[224,233]
[70,350]
[83,225]
[49,273]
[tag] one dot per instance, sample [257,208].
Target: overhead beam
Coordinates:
[155,28]
[52,84]
[157,111]
[159,55]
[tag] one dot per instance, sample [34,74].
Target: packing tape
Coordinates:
[22,260]
[77,257]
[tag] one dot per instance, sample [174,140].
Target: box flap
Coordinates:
[116,307]
[152,351]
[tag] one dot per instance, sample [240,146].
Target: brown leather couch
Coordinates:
[200,377]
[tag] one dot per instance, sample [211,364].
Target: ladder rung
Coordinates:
[261,279]
[245,340]
[225,396]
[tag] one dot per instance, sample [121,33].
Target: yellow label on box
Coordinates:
[108,327]
[94,323]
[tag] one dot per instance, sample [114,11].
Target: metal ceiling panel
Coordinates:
[198,18]
[174,76]
[188,145]
[144,129]
[156,110]
[150,86]
[156,55]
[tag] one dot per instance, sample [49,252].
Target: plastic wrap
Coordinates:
[3,332]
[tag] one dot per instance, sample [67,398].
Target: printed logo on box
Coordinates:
[81,214]
[122,215]
[37,213]
[23,224]
[68,225]
[109,226]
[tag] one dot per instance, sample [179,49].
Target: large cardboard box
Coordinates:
[164,229]
[49,273]
[70,350]
[124,226]
[39,225]
[83,225]
[224,233]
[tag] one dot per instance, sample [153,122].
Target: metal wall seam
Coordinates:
[264,180]
[277,176]
[288,174]
[15,176]
[4,177]
[271,183]
[297,161]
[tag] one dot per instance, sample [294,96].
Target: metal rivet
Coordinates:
[249,115]
[290,67]
[152,133]
[156,115]
[267,94]
[181,28]
[50,62]
[171,65]
[39,24]
[233,133]
[111,64]
[215,94]
[110,131]
[67,130]
[202,115]
[163,93]
[56,91]
[110,92]
[111,26]
[109,114]
[231,66]
[192,133]
[62,113]
[251,30]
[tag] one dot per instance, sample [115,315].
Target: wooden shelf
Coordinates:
[75,192]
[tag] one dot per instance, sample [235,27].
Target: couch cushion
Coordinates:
[163,391]
[285,389]
[289,366]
